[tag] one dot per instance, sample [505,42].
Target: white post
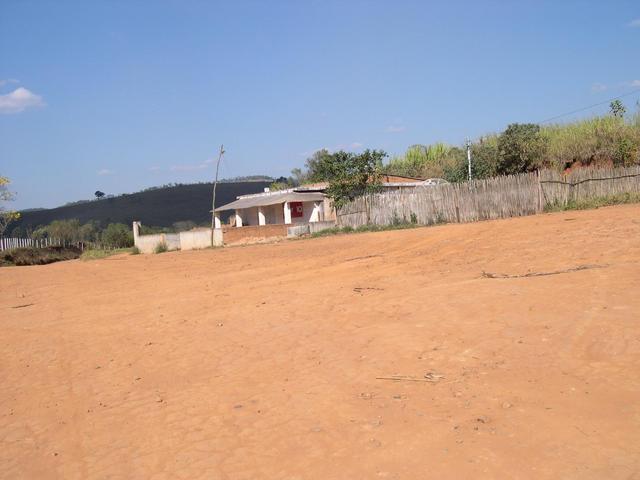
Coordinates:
[469,157]
[287,213]
[217,222]
[238,219]
[136,232]
[261,218]
[315,214]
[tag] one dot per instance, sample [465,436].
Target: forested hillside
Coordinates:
[161,207]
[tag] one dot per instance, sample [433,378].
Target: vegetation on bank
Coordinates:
[596,202]
[400,225]
[38,256]
[598,141]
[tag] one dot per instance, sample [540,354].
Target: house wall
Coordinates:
[249,216]
[309,213]
[329,213]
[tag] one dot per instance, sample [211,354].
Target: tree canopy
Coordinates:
[6,215]
[349,174]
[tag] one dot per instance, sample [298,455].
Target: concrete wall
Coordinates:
[148,243]
[319,226]
[190,240]
[196,239]
[308,228]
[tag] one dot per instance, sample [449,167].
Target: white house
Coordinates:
[280,207]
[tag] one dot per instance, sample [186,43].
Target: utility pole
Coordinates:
[213,202]
[469,157]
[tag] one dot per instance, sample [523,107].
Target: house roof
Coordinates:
[271,198]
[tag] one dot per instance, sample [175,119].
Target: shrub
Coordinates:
[521,149]
[596,202]
[161,247]
[38,256]
[117,235]
[135,251]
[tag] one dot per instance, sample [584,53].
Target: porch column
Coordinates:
[238,219]
[216,221]
[316,213]
[287,213]
[261,218]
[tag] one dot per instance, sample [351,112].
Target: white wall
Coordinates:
[148,243]
[310,213]
[196,239]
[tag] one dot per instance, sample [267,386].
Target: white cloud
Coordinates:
[396,128]
[155,168]
[19,100]
[635,23]
[8,81]
[598,87]
[189,167]
[105,171]
[634,83]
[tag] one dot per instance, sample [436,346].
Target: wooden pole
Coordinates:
[213,201]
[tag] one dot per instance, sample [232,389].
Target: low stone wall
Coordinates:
[257,232]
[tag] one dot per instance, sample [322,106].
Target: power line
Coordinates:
[591,106]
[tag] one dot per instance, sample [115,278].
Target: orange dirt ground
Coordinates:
[262,361]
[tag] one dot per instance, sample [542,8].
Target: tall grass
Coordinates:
[598,141]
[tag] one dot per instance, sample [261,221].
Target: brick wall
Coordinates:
[234,234]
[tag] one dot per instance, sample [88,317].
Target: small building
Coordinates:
[281,207]
[304,204]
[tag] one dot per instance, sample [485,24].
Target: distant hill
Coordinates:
[158,207]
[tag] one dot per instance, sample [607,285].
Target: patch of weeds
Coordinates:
[364,228]
[596,202]
[97,254]
[135,251]
[161,247]
[37,256]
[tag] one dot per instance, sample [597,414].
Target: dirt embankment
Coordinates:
[383,355]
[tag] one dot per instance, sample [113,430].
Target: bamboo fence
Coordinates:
[499,197]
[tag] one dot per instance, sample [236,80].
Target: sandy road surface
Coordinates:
[261,361]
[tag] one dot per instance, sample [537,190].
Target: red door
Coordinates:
[296,209]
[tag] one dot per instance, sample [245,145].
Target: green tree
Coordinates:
[65,230]
[617,109]
[350,175]
[521,149]
[88,232]
[117,235]
[314,164]
[6,216]
[297,177]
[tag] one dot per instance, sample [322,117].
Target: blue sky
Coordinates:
[123,95]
